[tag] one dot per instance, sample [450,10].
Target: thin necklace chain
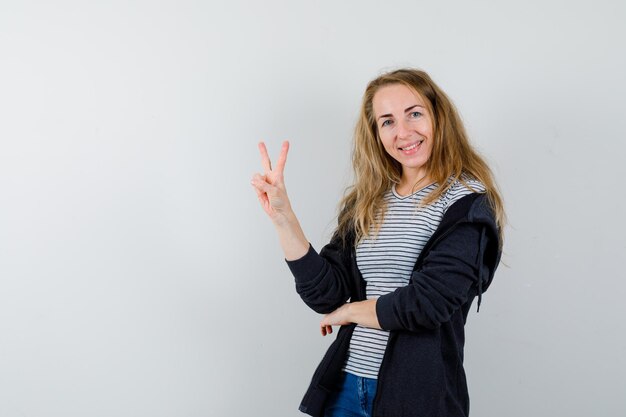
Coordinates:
[415,185]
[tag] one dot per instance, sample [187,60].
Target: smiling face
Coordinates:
[405,129]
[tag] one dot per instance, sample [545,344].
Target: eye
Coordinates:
[385,123]
[416,114]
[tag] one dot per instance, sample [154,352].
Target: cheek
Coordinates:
[385,140]
[429,147]
[425,128]
[389,147]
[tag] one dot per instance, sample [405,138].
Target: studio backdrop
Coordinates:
[139,275]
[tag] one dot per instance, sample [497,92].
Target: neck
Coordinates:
[413,181]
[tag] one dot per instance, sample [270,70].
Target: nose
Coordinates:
[403,129]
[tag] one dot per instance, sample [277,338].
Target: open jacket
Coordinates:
[422,370]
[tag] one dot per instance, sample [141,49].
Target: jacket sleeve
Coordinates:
[440,287]
[324,281]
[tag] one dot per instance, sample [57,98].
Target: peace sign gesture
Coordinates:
[270,187]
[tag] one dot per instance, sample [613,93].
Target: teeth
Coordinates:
[408,148]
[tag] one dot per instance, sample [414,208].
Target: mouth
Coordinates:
[412,148]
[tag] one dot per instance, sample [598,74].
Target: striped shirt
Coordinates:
[387,262]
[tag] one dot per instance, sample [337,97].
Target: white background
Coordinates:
[140,277]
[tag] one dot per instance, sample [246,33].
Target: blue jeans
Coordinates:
[354,399]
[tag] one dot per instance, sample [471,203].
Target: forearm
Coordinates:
[359,312]
[291,237]
[364,313]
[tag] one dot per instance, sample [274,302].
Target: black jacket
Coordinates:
[422,371]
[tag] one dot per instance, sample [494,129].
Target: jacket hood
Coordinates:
[489,244]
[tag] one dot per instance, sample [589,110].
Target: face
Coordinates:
[405,128]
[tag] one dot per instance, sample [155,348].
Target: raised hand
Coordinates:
[270,187]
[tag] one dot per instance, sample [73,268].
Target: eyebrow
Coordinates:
[405,110]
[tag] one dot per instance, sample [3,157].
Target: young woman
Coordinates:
[419,236]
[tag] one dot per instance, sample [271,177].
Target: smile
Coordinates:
[414,146]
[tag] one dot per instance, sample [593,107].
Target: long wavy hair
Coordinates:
[375,171]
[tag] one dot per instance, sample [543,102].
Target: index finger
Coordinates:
[282,158]
[265,158]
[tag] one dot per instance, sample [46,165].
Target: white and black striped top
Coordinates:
[387,262]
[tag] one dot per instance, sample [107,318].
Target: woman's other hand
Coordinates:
[339,317]
[359,312]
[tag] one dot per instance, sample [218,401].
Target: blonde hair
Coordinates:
[376,171]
